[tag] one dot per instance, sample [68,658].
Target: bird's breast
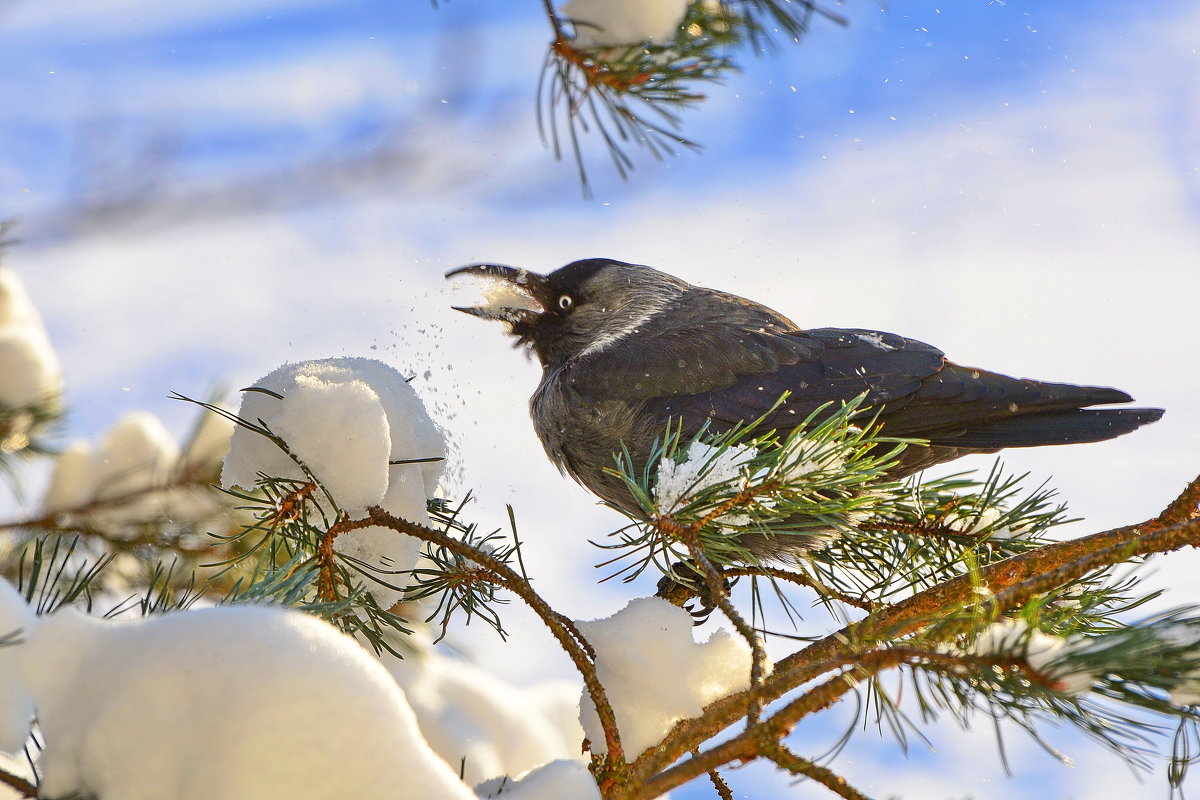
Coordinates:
[582,436]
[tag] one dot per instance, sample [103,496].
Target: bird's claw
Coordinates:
[690,586]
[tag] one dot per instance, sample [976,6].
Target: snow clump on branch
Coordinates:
[31,370]
[348,421]
[612,23]
[702,467]
[138,473]
[654,674]
[480,724]
[231,701]
[564,778]
[16,706]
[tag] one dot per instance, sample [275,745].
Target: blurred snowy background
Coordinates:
[205,190]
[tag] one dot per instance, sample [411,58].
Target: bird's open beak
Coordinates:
[509,294]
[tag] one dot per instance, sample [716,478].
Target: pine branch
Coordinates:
[613,767]
[764,737]
[27,432]
[51,575]
[786,759]
[633,94]
[1177,526]
[718,593]
[87,519]
[788,576]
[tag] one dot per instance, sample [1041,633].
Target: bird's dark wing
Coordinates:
[839,365]
[706,342]
[917,393]
[732,359]
[735,359]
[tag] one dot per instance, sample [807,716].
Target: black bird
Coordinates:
[624,348]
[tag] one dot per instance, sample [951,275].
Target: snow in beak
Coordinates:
[505,293]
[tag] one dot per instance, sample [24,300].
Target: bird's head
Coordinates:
[584,307]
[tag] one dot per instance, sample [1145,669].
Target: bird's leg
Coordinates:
[683,583]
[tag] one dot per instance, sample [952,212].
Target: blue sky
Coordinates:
[227,88]
[1014,182]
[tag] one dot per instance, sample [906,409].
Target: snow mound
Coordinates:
[346,419]
[31,370]
[564,778]
[476,721]
[231,701]
[654,674]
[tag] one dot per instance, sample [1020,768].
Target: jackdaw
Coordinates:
[625,348]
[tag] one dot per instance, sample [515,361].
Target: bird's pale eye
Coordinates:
[565,302]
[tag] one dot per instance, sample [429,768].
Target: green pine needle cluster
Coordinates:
[633,96]
[866,540]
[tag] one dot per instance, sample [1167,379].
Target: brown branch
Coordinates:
[786,759]
[1177,526]
[327,566]
[719,784]
[718,593]
[614,768]
[59,520]
[1168,531]
[722,788]
[569,624]
[744,497]
[763,740]
[764,737]
[18,783]
[800,580]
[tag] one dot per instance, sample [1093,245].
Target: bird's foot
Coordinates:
[684,584]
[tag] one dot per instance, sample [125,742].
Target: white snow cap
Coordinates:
[476,721]
[1040,650]
[612,23]
[969,520]
[32,374]
[806,457]
[703,466]
[16,705]
[654,674]
[346,418]
[137,454]
[231,701]
[565,778]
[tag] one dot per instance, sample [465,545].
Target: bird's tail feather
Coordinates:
[1055,427]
